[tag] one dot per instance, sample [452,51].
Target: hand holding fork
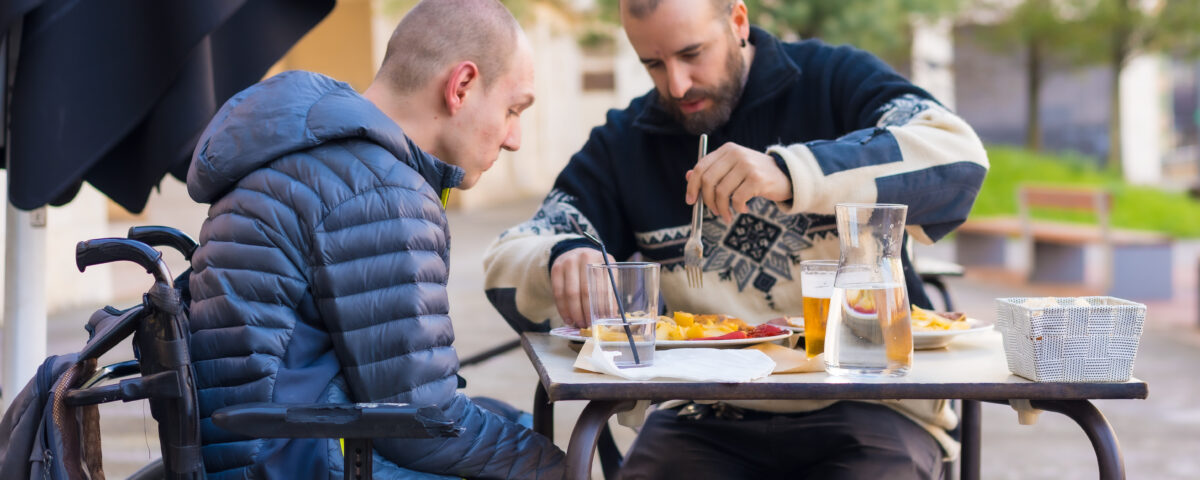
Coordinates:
[693,250]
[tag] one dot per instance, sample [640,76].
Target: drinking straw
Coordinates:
[612,280]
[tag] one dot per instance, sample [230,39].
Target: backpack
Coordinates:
[42,438]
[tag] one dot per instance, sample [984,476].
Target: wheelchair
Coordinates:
[162,374]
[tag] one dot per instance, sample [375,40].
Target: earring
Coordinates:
[743,43]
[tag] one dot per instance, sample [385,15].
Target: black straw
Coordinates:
[612,280]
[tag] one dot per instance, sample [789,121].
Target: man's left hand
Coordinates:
[730,176]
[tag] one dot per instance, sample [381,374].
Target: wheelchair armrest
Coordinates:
[335,420]
[113,371]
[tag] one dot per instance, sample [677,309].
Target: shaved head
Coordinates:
[640,8]
[437,34]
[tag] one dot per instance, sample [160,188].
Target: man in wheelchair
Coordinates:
[322,267]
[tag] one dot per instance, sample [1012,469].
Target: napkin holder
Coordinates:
[1069,339]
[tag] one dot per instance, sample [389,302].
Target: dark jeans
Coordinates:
[848,440]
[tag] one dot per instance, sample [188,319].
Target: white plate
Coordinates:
[792,328]
[794,324]
[927,339]
[572,333]
[797,329]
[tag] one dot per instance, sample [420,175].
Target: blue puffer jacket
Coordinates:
[321,276]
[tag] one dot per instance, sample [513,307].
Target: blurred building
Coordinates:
[1158,105]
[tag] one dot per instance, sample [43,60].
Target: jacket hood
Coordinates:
[291,112]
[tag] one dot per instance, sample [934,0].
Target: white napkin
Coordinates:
[694,364]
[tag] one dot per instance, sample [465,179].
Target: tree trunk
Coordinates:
[1114,117]
[1118,54]
[1033,79]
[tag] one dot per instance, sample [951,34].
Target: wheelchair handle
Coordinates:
[107,250]
[159,236]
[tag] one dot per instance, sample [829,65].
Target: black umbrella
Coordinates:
[116,92]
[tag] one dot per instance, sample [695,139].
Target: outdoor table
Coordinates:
[972,368]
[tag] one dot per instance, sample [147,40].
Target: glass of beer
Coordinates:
[816,285]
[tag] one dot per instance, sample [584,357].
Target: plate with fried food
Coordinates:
[683,329]
[932,329]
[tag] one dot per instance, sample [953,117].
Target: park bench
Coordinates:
[1132,264]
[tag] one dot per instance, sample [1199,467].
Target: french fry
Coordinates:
[926,320]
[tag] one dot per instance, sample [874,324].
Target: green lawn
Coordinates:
[1139,208]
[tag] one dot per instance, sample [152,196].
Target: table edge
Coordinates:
[667,390]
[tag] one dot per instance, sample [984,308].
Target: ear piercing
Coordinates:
[743,43]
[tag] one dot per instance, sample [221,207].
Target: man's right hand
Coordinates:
[568,277]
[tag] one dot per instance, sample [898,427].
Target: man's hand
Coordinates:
[568,277]
[732,175]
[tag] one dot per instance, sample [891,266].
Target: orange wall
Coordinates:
[340,46]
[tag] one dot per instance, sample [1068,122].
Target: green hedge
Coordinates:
[1135,207]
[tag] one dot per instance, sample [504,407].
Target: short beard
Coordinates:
[724,98]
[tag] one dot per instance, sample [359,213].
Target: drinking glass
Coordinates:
[626,328]
[816,286]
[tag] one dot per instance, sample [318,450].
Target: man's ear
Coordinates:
[740,20]
[463,79]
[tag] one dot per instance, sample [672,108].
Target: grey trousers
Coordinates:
[847,440]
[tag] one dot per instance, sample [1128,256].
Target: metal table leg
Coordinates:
[610,456]
[1098,430]
[543,412]
[937,283]
[582,448]
[971,429]
[357,462]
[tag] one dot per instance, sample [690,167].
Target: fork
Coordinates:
[693,250]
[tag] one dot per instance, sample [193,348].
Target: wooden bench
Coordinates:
[1134,264]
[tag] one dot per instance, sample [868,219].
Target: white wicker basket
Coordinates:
[1061,340]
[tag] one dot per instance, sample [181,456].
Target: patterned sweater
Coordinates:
[848,128]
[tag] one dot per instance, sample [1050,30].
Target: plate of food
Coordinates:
[684,329]
[937,329]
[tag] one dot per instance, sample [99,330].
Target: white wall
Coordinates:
[550,130]
[933,58]
[631,76]
[1144,119]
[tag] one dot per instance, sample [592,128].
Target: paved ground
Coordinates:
[1160,436]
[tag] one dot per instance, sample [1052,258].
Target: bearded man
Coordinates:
[799,128]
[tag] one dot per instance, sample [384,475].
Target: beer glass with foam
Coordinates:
[816,284]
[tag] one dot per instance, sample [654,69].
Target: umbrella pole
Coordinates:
[25,329]
[24,299]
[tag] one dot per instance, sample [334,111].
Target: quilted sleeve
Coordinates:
[379,280]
